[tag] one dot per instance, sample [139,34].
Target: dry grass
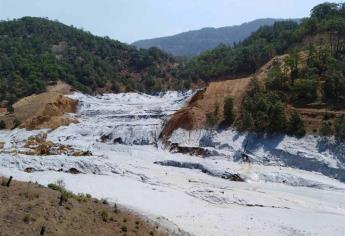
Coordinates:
[27,207]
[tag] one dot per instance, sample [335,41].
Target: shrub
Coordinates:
[340,127]
[60,186]
[326,129]
[124,228]
[295,125]
[211,120]
[26,218]
[229,115]
[104,216]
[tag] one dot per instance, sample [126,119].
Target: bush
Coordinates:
[60,187]
[124,228]
[326,129]
[340,127]
[295,125]
[104,216]
[262,111]
[229,115]
[305,89]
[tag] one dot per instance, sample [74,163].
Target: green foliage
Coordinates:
[305,90]
[211,120]
[36,52]
[277,80]
[326,129]
[229,115]
[104,216]
[340,127]
[295,125]
[60,187]
[212,117]
[262,111]
[244,58]
[325,10]
[292,62]
[325,59]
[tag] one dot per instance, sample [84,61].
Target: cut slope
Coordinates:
[45,110]
[194,115]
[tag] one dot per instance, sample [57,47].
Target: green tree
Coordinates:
[292,62]
[229,115]
[295,125]
[340,127]
[324,10]
[326,129]
[211,120]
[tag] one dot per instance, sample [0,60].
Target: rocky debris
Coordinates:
[203,169]
[74,171]
[118,141]
[29,169]
[39,145]
[106,137]
[2,145]
[233,177]
[194,151]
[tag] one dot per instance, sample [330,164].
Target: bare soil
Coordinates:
[45,110]
[27,207]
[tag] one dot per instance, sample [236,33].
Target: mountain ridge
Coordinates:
[194,42]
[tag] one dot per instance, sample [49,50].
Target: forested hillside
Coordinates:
[194,42]
[307,84]
[36,52]
[324,28]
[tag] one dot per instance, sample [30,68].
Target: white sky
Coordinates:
[131,20]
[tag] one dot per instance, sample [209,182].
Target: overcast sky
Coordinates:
[131,20]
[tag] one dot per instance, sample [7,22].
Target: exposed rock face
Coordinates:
[194,115]
[46,110]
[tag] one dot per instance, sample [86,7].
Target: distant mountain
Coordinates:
[194,42]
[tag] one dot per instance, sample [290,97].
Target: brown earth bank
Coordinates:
[45,110]
[29,208]
[193,116]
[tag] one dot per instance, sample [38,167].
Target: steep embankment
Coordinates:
[45,110]
[193,116]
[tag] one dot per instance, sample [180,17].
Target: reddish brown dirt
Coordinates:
[194,115]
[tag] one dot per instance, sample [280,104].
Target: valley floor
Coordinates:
[187,194]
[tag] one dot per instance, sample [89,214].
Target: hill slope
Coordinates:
[36,52]
[301,90]
[27,207]
[194,42]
